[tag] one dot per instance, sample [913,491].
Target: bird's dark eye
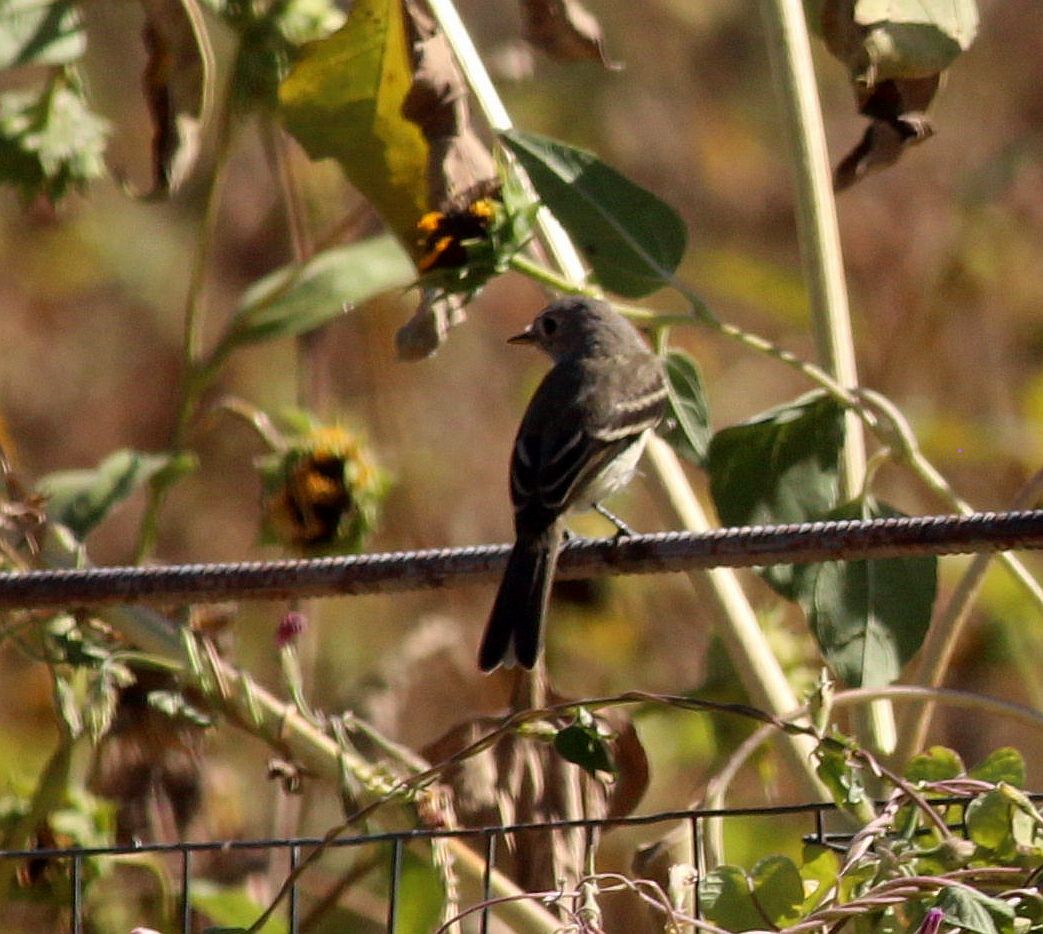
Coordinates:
[550,325]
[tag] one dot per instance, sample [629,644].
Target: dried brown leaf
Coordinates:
[565,30]
[177,87]
[897,111]
[426,331]
[438,102]
[521,780]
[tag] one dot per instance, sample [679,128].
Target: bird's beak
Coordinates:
[528,336]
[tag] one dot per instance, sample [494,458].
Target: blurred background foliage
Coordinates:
[943,258]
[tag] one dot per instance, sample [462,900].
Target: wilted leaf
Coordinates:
[915,38]
[895,52]
[427,330]
[343,100]
[882,39]
[564,30]
[80,499]
[1001,765]
[177,82]
[780,467]
[881,146]
[38,32]
[497,787]
[52,141]
[632,239]
[460,167]
[298,299]
[868,617]
[688,427]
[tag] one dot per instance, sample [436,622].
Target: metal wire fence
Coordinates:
[790,826]
[486,842]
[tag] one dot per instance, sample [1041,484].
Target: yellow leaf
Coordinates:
[343,100]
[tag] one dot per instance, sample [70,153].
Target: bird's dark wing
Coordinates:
[582,416]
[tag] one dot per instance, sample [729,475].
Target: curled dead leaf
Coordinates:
[178,87]
[427,330]
[565,30]
[438,102]
[896,52]
[523,780]
[898,120]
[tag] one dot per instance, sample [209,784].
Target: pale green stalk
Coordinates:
[789,51]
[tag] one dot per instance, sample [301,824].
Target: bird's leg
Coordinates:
[622,529]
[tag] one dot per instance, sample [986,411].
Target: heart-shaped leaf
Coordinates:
[868,617]
[780,467]
[632,239]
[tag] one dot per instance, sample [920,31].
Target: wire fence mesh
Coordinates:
[486,843]
[788,827]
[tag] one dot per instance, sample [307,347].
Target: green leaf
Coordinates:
[780,467]
[938,764]
[912,38]
[725,899]
[50,142]
[689,432]
[421,896]
[818,870]
[297,299]
[1001,765]
[973,910]
[37,32]
[989,821]
[231,908]
[582,744]
[778,890]
[868,617]
[343,100]
[80,499]
[843,781]
[632,240]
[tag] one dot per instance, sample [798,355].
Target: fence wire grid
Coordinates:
[485,841]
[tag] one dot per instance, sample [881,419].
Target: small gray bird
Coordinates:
[580,440]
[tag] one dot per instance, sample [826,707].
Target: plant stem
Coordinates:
[817,229]
[761,674]
[196,376]
[789,51]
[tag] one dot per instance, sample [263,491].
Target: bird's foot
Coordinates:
[622,529]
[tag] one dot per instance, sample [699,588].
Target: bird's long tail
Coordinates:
[514,632]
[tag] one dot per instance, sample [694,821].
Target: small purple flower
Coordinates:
[290,627]
[932,921]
